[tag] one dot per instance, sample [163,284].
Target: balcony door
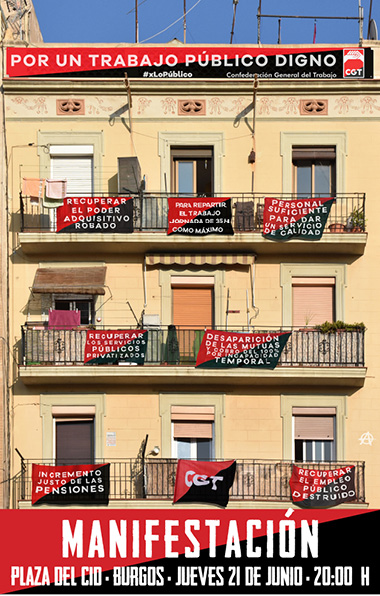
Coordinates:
[313,300]
[314,171]
[192,171]
[192,312]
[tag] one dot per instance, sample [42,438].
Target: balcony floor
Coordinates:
[142,242]
[175,375]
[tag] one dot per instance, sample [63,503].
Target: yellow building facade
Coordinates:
[232,139]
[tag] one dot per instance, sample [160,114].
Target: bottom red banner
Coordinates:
[266,551]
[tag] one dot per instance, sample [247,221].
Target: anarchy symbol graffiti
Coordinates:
[366,439]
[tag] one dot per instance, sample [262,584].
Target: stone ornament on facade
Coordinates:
[313,107]
[191,107]
[70,107]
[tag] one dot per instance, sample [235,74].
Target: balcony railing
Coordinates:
[255,480]
[179,347]
[150,212]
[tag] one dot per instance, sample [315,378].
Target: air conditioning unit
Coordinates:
[128,175]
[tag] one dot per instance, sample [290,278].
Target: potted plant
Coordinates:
[339,326]
[356,221]
[337,227]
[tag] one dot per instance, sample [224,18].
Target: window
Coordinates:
[314,171]
[85,304]
[192,171]
[192,423]
[313,300]
[314,434]
[193,432]
[74,441]
[193,311]
[329,281]
[75,164]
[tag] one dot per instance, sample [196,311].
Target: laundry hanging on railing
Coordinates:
[295,218]
[234,349]
[64,319]
[55,193]
[33,188]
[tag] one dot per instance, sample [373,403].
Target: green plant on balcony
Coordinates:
[337,326]
[356,220]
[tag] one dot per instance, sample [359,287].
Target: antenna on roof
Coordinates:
[235,3]
[259,15]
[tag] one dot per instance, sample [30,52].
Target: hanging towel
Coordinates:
[63,319]
[33,188]
[56,189]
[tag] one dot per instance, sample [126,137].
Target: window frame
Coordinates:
[288,140]
[290,270]
[167,400]
[288,402]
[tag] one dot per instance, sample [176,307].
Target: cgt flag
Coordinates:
[103,215]
[110,346]
[322,488]
[204,481]
[65,485]
[298,218]
[233,349]
[199,216]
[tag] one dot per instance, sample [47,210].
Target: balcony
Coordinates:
[131,480]
[38,227]
[50,355]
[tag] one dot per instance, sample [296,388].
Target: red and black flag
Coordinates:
[284,219]
[233,349]
[91,215]
[322,488]
[113,345]
[194,217]
[204,481]
[64,485]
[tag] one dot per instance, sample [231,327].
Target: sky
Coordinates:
[207,21]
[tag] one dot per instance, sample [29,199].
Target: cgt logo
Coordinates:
[201,479]
[353,63]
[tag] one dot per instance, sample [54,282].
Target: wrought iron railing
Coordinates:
[179,347]
[255,480]
[150,212]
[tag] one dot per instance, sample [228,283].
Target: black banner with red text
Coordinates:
[103,215]
[199,217]
[298,218]
[159,62]
[234,349]
[322,488]
[111,346]
[204,481]
[70,484]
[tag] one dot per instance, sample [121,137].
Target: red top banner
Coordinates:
[187,62]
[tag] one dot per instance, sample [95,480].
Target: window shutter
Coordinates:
[314,153]
[77,170]
[193,306]
[192,422]
[74,441]
[314,423]
[313,301]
